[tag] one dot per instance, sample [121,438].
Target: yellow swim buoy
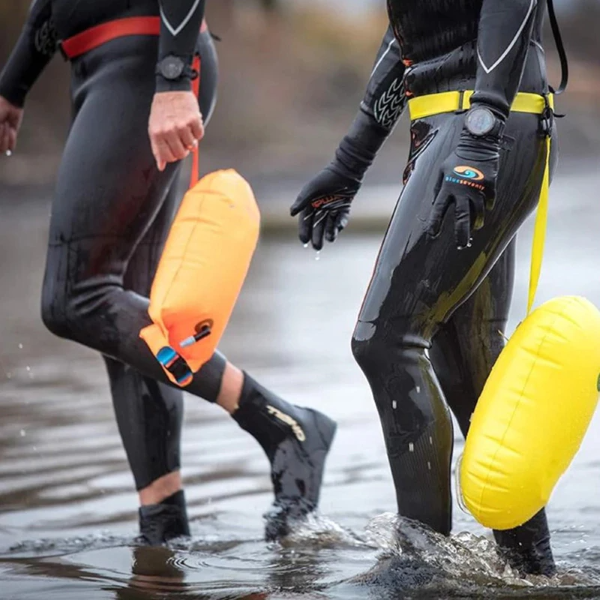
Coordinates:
[533,413]
[201,273]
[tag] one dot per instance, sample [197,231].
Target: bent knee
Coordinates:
[370,348]
[55,316]
[61,316]
[377,350]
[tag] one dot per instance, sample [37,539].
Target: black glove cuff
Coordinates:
[360,146]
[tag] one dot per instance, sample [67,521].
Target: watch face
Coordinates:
[480,121]
[172,67]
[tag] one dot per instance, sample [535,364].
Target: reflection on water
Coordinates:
[67,506]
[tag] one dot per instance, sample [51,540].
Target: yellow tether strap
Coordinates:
[539,233]
[422,107]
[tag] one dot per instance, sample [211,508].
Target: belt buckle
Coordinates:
[546,118]
[461,110]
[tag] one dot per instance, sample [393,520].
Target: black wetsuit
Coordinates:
[112,211]
[110,217]
[433,320]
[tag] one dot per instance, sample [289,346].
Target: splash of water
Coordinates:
[318,530]
[414,552]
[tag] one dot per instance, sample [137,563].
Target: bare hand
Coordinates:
[175,126]
[10,122]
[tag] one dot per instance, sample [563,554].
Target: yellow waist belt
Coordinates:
[422,107]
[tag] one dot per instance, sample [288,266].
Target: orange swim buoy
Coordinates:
[201,273]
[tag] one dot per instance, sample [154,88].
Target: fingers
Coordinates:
[12,139]
[438,212]
[300,204]
[175,126]
[162,153]
[307,194]
[176,145]
[188,139]
[336,224]
[318,229]
[167,148]
[478,207]
[4,138]
[331,230]
[197,128]
[490,198]
[462,227]
[305,224]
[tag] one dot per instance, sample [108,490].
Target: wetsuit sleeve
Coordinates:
[180,25]
[505,30]
[380,109]
[33,51]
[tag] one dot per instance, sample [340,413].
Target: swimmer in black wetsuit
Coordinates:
[112,210]
[430,328]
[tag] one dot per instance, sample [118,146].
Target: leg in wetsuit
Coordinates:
[403,312]
[150,414]
[463,353]
[110,215]
[427,334]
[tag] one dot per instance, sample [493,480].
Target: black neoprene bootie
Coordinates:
[162,522]
[527,548]
[296,441]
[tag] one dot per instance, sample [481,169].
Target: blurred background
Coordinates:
[292,76]
[293,73]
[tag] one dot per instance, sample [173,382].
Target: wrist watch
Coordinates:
[173,68]
[481,121]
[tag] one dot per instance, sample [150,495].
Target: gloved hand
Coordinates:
[10,122]
[324,206]
[467,181]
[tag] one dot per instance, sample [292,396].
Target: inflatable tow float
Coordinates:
[536,406]
[201,273]
[533,413]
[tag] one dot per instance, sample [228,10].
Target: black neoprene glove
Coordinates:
[324,202]
[324,205]
[468,183]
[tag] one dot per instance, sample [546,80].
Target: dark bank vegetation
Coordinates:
[292,75]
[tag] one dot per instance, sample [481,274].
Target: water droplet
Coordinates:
[23,433]
[318,257]
[429,465]
[20,346]
[306,245]
[418,389]
[411,447]
[9,153]
[431,440]
[28,368]
[394,405]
